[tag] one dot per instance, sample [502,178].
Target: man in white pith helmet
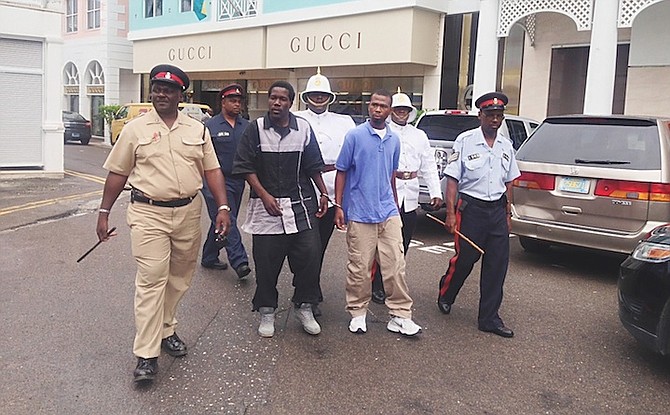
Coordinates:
[329,129]
[416,160]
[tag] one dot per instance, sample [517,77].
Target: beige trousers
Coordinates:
[383,242]
[165,244]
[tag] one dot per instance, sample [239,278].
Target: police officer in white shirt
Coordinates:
[417,159]
[329,129]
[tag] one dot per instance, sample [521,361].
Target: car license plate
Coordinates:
[75,135]
[574,185]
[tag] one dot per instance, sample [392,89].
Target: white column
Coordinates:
[602,59]
[486,56]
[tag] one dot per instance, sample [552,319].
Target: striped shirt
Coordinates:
[284,159]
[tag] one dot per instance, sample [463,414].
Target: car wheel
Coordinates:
[84,141]
[663,331]
[533,246]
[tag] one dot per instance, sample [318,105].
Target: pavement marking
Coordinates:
[46,202]
[86,176]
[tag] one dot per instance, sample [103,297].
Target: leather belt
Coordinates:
[138,196]
[327,168]
[405,175]
[484,203]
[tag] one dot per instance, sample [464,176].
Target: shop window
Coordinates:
[71,16]
[186,6]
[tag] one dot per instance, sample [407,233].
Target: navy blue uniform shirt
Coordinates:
[225,139]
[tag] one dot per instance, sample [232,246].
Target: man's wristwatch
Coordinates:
[224,207]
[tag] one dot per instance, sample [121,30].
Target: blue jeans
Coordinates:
[237,255]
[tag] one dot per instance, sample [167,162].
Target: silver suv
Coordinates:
[442,128]
[596,182]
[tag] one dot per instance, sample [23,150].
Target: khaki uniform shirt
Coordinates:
[164,163]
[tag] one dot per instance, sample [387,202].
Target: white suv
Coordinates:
[442,128]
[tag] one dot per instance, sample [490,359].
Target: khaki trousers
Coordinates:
[383,242]
[165,244]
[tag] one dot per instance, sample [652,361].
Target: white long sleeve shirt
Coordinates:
[415,156]
[330,129]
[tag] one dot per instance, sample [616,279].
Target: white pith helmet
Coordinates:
[317,83]
[402,100]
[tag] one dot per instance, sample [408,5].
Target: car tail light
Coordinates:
[652,252]
[454,112]
[539,181]
[656,192]
[660,192]
[88,123]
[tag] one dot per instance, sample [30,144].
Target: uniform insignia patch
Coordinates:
[453,157]
[506,156]
[474,156]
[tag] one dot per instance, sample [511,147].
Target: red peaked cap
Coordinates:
[169,74]
[492,101]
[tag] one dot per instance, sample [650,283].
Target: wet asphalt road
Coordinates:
[67,330]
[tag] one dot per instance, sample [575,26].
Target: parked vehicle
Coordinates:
[200,112]
[644,291]
[443,126]
[77,128]
[595,182]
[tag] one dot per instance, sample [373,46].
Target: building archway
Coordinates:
[71,86]
[95,91]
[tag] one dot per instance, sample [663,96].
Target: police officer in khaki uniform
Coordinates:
[163,155]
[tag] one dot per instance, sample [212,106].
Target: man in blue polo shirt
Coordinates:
[366,199]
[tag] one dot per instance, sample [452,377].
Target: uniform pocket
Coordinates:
[192,148]
[474,162]
[148,146]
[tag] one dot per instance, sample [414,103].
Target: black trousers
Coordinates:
[408,226]
[326,228]
[303,250]
[485,223]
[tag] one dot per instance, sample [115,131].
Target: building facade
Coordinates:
[551,57]
[31,130]
[97,58]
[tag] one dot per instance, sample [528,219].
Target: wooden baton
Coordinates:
[465,238]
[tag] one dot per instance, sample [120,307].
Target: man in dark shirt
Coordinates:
[226,129]
[280,158]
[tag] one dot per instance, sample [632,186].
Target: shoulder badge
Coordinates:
[505,156]
[453,157]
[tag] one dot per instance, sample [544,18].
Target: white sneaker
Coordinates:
[267,326]
[306,317]
[403,326]
[358,325]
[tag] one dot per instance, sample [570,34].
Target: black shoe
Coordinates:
[146,369]
[174,346]
[316,311]
[501,331]
[379,296]
[243,270]
[215,265]
[443,305]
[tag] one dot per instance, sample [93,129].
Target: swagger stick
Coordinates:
[474,245]
[109,232]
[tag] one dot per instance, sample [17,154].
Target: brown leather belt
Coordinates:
[138,196]
[327,168]
[405,175]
